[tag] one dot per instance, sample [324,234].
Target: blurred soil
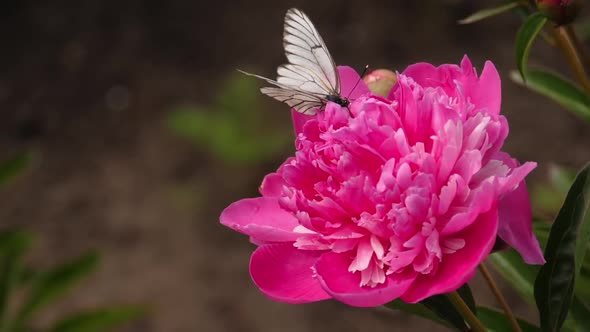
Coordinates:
[87,85]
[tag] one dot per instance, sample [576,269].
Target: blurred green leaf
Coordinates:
[524,39]
[557,89]
[488,12]
[98,320]
[417,309]
[11,168]
[11,240]
[565,251]
[496,321]
[232,129]
[54,284]
[13,245]
[516,272]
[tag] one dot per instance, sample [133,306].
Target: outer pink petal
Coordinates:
[284,273]
[516,226]
[261,218]
[423,73]
[456,269]
[344,286]
[272,185]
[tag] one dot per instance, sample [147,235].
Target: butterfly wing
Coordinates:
[311,66]
[303,101]
[311,75]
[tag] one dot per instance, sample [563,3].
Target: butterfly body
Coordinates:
[344,102]
[310,79]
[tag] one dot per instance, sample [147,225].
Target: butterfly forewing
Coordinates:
[305,47]
[310,79]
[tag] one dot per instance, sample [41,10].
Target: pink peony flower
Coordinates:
[403,199]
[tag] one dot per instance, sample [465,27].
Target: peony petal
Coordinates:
[284,273]
[261,218]
[299,120]
[422,73]
[272,185]
[515,226]
[348,79]
[487,92]
[456,269]
[332,270]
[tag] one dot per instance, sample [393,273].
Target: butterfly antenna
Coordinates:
[358,81]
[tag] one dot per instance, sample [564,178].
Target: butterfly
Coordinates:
[310,80]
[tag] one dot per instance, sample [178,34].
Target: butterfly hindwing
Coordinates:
[301,101]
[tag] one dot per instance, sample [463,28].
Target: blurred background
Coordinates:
[142,132]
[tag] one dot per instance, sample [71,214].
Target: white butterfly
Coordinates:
[310,80]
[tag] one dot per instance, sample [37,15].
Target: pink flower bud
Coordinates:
[560,11]
[380,81]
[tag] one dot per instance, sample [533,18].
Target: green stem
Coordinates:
[579,45]
[468,315]
[494,287]
[565,40]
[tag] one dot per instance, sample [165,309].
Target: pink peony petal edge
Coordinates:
[516,227]
[344,286]
[284,273]
[261,218]
[458,268]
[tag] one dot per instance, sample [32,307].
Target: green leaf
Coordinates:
[467,296]
[489,12]
[516,272]
[565,250]
[417,309]
[444,308]
[11,168]
[496,321]
[232,129]
[98,320]
[11,240]
[525,37]
[54,284]
[13,245]
[439,309]
[560,90]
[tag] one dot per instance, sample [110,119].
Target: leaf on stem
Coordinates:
[488,12]
[524,39]
[565,251]
[439,308]
[560,90]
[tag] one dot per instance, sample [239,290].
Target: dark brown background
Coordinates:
[88,84]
